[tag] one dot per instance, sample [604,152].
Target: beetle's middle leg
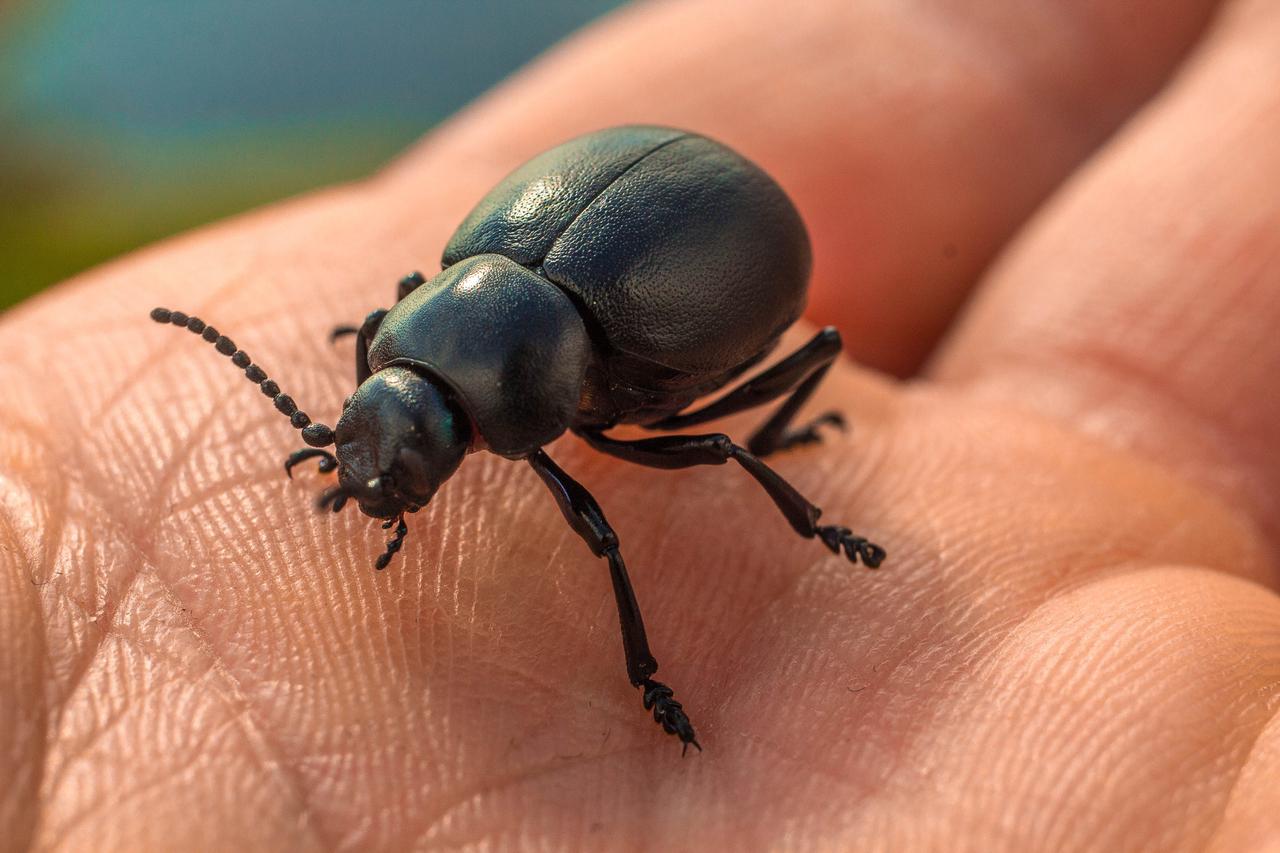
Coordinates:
[587,520]
[799,373]
[685,451]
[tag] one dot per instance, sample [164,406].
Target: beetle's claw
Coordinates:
[855,547]
[809,434]
[328,462]
[669,713]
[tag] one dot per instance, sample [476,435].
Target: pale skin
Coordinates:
[1074,643]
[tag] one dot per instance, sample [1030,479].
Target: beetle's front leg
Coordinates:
[365,331]
[587,519]
[328,462]
[364,336]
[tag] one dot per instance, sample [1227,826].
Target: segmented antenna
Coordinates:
[314,434]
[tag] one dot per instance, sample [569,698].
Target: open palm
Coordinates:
[1073,644]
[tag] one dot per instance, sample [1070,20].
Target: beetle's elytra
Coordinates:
[616,278]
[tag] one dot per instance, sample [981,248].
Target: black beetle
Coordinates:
[614,279]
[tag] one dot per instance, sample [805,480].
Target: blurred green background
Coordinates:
[126,120]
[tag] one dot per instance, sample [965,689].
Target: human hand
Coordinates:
[1074,642]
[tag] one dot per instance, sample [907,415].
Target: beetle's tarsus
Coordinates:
[807,434]
[669,713]
[342,332]
[855,547]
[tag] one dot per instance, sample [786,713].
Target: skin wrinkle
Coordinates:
[1256,559]
[1233,771]
[521,776]
[1223,830]
[272,754]
[255,736]
[10,804]
[120,798]
[1014,637]
[142,550]
[148,560]
[1184,423]
[57,511]
[1273,690]
[102,728]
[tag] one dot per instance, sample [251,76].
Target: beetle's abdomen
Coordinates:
[689,257]
[509,344]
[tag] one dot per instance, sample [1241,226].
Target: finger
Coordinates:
[1143,306]
[914,142]
[1143,691]
[1250,821]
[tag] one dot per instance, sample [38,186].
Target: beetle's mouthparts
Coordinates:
[396,541]
[314,434]
[334,498]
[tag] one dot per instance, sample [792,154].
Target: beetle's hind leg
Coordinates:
[774,434]
[799,373]
[587,519]
[685,451]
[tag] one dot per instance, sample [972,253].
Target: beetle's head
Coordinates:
[400,436]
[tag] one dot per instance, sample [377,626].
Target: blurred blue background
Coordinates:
[125,121]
